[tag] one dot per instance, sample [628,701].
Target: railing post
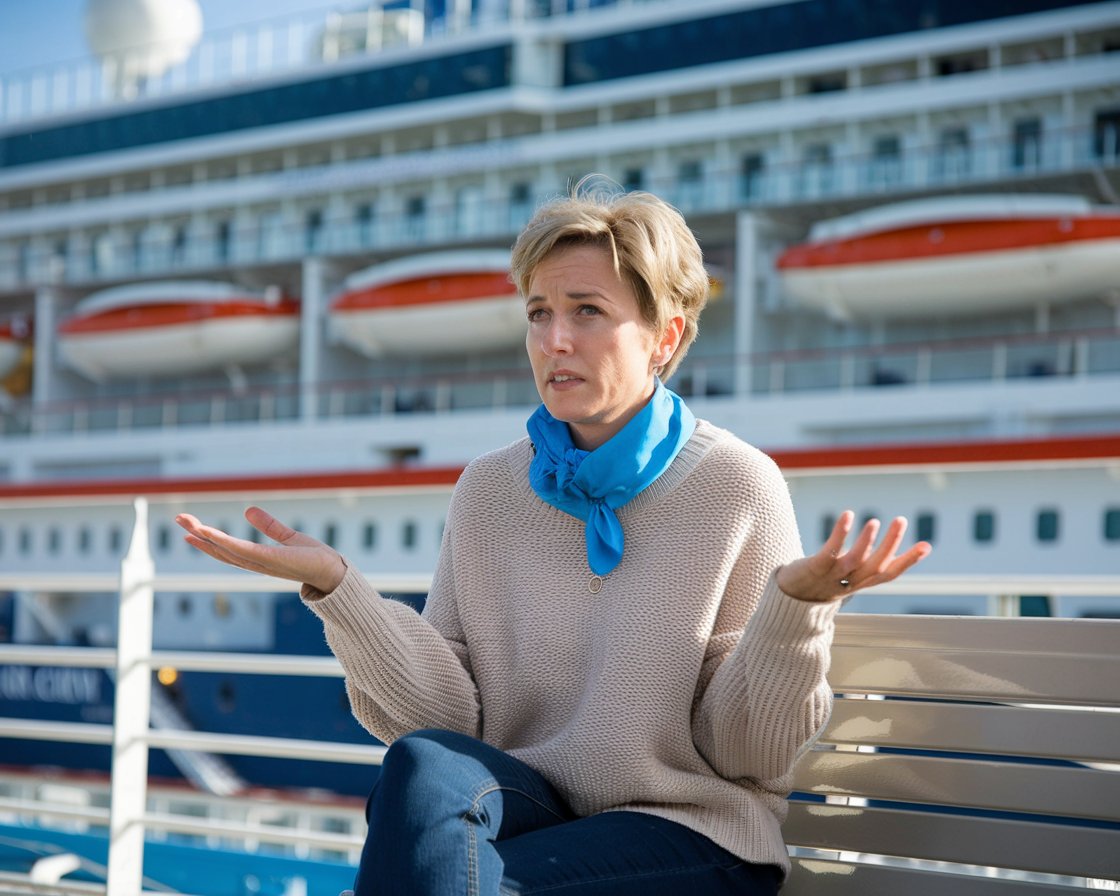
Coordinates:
[128,789]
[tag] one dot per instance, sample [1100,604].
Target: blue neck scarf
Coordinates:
[591,485]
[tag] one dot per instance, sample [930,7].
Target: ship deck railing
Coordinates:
[130,813]
[1074,158]
[276,46]
[1068,356]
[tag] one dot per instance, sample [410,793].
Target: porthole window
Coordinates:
[1112,524]
[369,536]
[408,536]
[84,540]
[925,527]
[1047,524]
[25,540]
[330,534]
[227,697]
[163,539]
[54,540]
[115,540]
[828,523]
[984,526]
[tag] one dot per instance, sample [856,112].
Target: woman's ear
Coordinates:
[670,340]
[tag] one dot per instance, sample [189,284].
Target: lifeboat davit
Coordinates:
[14,337]
[430,304]
[176,327]
[955,255]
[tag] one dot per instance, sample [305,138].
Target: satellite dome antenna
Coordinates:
[140,39]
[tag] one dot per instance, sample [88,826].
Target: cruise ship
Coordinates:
[275,272]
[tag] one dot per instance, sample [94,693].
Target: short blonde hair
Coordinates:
[653,250]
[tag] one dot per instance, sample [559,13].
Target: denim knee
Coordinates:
[408,770]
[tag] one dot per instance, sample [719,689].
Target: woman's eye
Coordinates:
[588,309]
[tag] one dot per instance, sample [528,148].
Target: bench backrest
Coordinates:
[961,744]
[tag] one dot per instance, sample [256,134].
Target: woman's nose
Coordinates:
[556,338]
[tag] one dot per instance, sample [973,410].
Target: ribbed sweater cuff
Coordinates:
[328,605]
[790,620]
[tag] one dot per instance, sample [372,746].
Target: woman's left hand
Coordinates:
[833,573]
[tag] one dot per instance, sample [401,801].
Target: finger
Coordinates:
[916,554]
[223,546]
[279,532]
[201,531]
[892,541]
[860,551]
[188,522]
[834,545]
[902,563]
[248,556]
[266,523]
[214,550]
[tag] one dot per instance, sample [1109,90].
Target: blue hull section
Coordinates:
[220,702]
[179,867]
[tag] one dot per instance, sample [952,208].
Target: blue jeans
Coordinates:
[452,816]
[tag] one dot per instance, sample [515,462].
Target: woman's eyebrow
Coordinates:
[575,296]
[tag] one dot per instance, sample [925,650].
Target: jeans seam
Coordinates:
[472,858]
[505,789]
[637,875]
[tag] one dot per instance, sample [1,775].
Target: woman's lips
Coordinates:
[563,381]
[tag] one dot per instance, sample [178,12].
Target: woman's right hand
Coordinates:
[295,556]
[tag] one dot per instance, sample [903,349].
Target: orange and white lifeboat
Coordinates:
[955,255]
[444,302]
[176,327]
[14,337]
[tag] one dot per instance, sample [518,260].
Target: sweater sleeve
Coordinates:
[402,672]
[764,693]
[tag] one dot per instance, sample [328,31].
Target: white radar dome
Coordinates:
[141,39]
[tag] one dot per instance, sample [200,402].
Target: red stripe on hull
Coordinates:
[934,454]
[369,479]
[428,291]
[172,314]
[950,454]
[950,238]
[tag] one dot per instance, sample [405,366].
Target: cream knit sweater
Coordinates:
[687,687]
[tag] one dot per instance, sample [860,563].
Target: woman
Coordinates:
[623,652]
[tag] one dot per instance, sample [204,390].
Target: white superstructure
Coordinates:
[260,167]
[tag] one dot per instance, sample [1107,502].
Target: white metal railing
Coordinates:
[1080,355]
[246,53]
[785,179]
[130,736]
[133,661]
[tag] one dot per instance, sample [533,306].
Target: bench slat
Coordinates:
[816,877]
[991,674]
[936,836]
[1031,636]
[1085,793]
[1081,735]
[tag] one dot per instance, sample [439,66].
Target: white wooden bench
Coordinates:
[964,756]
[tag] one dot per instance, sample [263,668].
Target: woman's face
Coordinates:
[592,353]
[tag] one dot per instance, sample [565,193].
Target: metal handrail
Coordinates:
[775,372]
